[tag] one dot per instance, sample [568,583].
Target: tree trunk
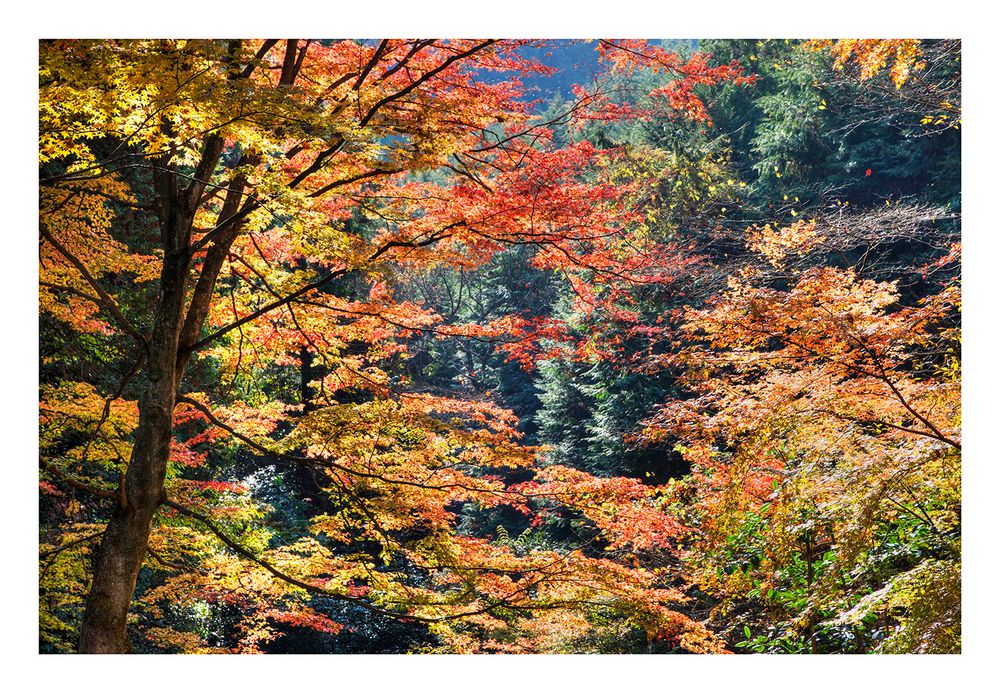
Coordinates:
[126,538]
[125,542]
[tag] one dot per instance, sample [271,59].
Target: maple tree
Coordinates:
[204,206]
[825,432]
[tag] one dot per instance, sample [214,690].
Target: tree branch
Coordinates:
[106,299]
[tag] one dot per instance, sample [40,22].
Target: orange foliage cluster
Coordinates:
[820,411]
[903,56]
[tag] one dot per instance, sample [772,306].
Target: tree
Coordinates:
[825,442]
[196,212]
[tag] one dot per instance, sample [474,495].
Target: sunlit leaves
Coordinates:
[902,56]
[288,184]
[817,428]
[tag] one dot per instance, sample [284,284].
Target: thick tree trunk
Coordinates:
[125,542]
[124,545]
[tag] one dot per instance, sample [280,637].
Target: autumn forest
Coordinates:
[499,346]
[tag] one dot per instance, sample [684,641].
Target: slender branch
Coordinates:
[267,309]
[54,553]
[417,47]
[278,573]
[899,395]
[106,299]
[175,566]
[423,78]
[881,422]
[330,276]
[70,290]
[500,602]
[77,484]
[355,179]
[76,542]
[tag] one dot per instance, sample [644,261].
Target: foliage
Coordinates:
[234,213]
[356,345]
[826,424]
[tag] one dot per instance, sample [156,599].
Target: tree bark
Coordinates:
[125,542]
[126,538]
